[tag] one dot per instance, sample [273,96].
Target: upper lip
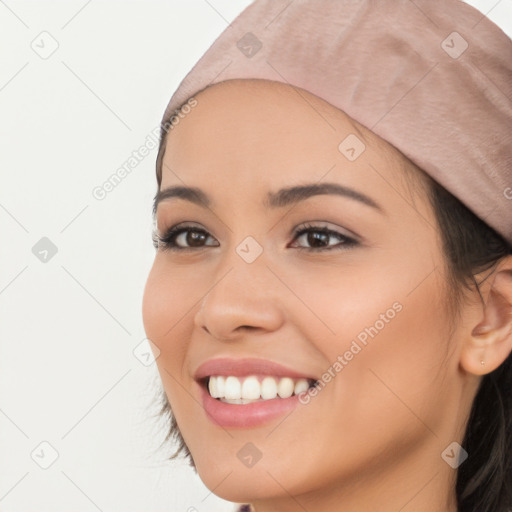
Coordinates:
[246,366]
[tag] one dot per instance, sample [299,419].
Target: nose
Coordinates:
[244,298]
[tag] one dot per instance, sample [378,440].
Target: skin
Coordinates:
[372,438]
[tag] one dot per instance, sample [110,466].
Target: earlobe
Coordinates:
[489,343]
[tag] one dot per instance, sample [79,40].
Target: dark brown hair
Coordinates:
[484,480]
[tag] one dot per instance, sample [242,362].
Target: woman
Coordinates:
[331,294]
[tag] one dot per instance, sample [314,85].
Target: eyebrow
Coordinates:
[279,199]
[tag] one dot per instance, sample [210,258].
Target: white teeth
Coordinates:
[217,386]
[300,386]
[239,401]
[221,385]
[268,388]
[251,388]
[285,387]
[212,388]
[231,389]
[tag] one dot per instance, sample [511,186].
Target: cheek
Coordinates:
[392,339]
[167,318]
[166,310]
[155,303]
[383,335]
[169,295]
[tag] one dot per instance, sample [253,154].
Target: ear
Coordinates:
[490,340]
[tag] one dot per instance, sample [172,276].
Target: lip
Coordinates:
[247,366]
[252,414]
[245,415]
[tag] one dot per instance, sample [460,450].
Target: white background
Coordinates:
[68,327]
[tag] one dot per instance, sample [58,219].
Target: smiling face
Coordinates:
[361,309]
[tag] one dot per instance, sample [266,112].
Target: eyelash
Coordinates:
[167,241]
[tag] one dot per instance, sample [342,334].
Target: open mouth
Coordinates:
[254,388]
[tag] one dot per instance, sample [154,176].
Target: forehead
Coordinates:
[255,135]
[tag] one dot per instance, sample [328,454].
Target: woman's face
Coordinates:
[362,309]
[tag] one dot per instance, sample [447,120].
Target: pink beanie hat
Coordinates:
[431,77]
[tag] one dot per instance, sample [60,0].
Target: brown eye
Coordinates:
[318,237]
[182,238]
[193,238]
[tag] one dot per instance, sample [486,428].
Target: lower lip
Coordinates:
[246,415]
